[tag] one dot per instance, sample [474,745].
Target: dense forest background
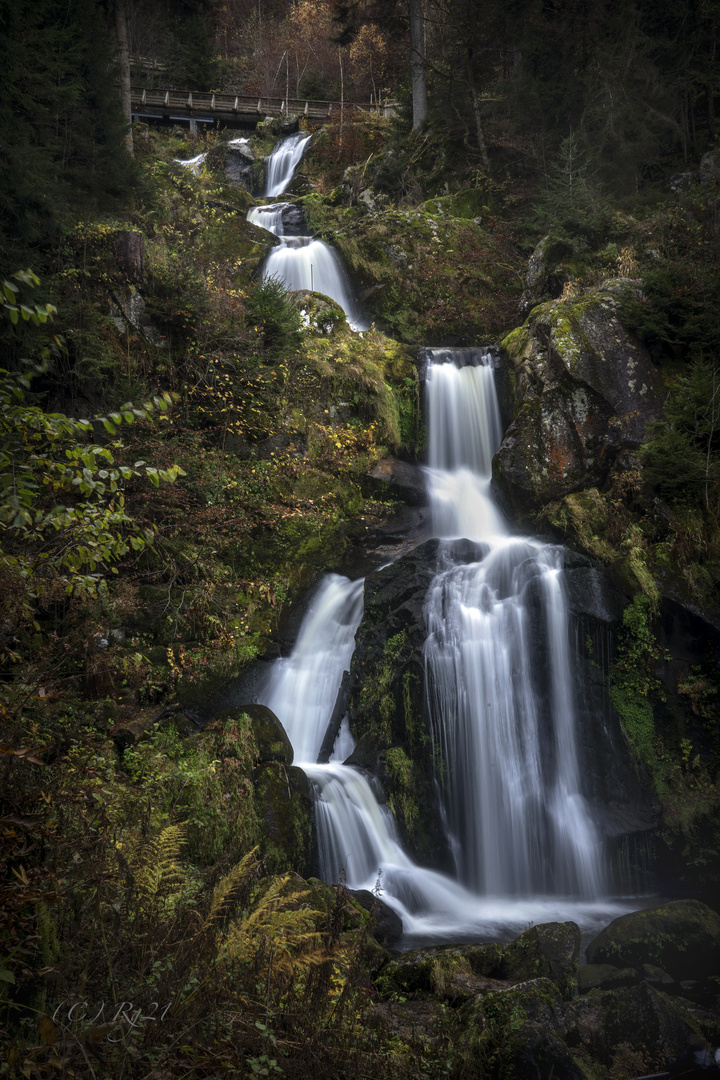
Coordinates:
[181,457]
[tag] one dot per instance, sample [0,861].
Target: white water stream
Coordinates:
[283,161]
[501,701]
[501,706]
[301,262]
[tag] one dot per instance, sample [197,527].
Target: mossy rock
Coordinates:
[320,314]
[585,391]
[536,1000]
[531,1052]
[272,741]
[643,1014]
[550,950]
[681,937]
[445,972]
[285,808]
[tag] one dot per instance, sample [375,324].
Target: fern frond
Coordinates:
[154,863]
[282,925]
[227,887]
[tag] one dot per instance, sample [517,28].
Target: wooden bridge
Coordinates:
[234,108]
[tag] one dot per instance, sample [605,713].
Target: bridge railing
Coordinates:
[191,102]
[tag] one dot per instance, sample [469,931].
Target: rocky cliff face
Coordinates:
[585,391]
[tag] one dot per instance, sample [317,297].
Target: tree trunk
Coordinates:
[417,64]
[342,96]
[478,121]
[124,68]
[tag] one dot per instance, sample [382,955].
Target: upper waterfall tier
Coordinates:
[282,162]
[464,432]
[302,262]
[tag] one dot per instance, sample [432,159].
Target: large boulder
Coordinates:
[585,390]
[545,275]
[640,1017]
[271,738]
[681,937]
[550,950]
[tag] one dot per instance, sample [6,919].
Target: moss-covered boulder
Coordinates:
[546,273]
[531,1052]
[271,738]
[643,1014]
[285,808]
[550,950]
[681,937]
[449,973]
[320,314]
[585,391]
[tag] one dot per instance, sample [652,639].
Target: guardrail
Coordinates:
[211,106]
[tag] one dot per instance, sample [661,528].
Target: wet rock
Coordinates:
[550,950]
[621,792]
[294,222]
[681,937]
[585,390]
[399,479]
[387,924]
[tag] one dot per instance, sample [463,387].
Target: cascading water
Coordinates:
[355,833]
[525,846]
[502,707]
[282,162]
[301,262]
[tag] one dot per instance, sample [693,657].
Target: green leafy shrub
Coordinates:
[274,316]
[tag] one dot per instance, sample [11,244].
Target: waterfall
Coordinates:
[304,686]
[302,262]
[500,699]
[497,663]
[282,162]
[194,164]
